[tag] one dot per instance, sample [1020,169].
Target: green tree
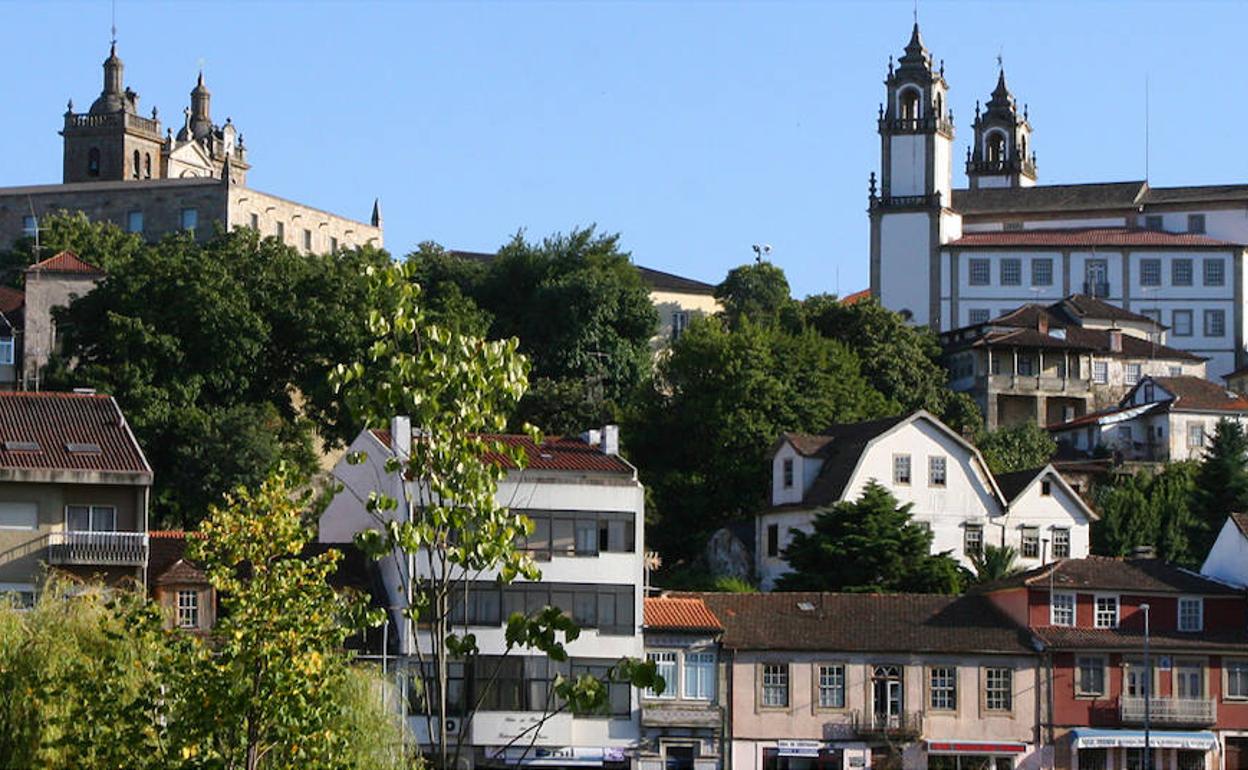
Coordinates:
[451,286]
[458,389]
[1017,447]
[100,243]
[702,432]
[1128,518]
[1221,483]
[868,545]
[758,291]
[994,563]
[1154,510]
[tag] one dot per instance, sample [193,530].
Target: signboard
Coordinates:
[795,748]
[558,756]
[1131,739]
[975,747]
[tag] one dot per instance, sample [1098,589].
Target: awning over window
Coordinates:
[1091,738]
[975,747]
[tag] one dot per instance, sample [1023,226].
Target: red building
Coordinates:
[1088,616]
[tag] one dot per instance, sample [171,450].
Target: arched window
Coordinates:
[147,165]
[93,161]
[995,151]
[1022,148]
[909,104]
[136,164]
[940,107]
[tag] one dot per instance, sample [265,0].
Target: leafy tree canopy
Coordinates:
[1222,482]
[102,244]
[994,563]
[1154,510]
[758,291]
[869,545]
[1017,447]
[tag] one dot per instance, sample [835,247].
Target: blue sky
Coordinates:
[693,129]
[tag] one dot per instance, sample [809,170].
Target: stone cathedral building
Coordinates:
[122,166]
[952,257]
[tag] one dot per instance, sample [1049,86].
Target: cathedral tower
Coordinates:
[999,155]
[910,215]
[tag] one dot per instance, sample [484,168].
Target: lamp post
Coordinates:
[1148,690]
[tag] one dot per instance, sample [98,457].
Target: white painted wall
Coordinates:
[1228,558]
[1059,510]
[908,164]
[905,269]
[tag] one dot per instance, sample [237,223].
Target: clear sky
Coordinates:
[693,129]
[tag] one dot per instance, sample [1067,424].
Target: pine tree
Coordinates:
[1221,483]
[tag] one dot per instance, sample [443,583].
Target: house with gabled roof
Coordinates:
[927,465]
[1228,557]
[51,283]
[1161,419]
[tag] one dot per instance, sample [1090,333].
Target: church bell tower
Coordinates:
[999,156]
[910,211]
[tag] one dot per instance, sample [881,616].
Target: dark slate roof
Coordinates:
[555,454]
[840,452]
[657,279]
[1044,198]
[879,623]
[56,422]
[1068,638]
[1013,484]
[1105,573]
[1084,236]
[1197,194]
[1082,306]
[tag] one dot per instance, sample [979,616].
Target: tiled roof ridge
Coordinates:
[1106,235]
[66,261]
[50,394]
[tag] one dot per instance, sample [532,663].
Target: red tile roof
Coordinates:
[1086,236]
[1199,393]
[1072,638]
[680,613]
[65,262]
[1106,573]
[11,299]
[856,297]
[54,421]
[555,454]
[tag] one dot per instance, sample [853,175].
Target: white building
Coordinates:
[926,464]
[588,509]
[1161,419]
[955,257]
[1228,558]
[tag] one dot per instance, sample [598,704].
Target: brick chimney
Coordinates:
[1115,340]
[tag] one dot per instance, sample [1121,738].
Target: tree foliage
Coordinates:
[994,563]
[868,545]
[758,291]
[101,243]
[1154,510]
[1222,482]
[1017,447]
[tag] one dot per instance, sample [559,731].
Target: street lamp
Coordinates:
[1148,689]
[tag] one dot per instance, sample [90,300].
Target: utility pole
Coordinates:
[1148,690]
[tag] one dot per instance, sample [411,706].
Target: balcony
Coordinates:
[1011,166]
[916,125]
[1098,289]
[906,201]
[1044,384]
[903,726]
[119,549]
[1168,711]
[684,714]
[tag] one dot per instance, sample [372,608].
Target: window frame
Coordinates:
[989,691]
[773,541]
[186,615]
[781,683]
[1074,608]
[1176,328]
[134,221]
[979,272]
[950,689]
[786,473]
[672,685]
[92,510]
[905,459]
[1065,533]
[1213,271]
[1215,318]
[1100,372]
[188,215]
[1196,223]
[1242,665]
[973,317]
[1010,271]
[1082,692]
[1193,428]
[1096,610]
[1200,614]
[938,471]
[1132,374]
[8,351]
[1150,271]
[1040,268]
[817,680]
[1180,265]
[967,529]
[1024,533]
[687,667]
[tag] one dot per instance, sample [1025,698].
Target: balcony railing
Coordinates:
[916,125]
[1010,166]
[110,119]
[125,549]
[869,724]
[906,201]
[1168,711]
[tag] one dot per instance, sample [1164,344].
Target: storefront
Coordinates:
[974,755]
[1093,749]
[557,757]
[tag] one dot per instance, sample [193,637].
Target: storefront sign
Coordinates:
[975,747]
[558,756]
[1087,738]
[794,748]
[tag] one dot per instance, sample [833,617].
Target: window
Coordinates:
[1189,679]
[1106,612]
[30,225]
[680,320]
[978,315]
[608,608]
[190,219]
[1153,222]
[1026,366]
[1181,272]
[93,161]
[1181,323]
[147,165]
[619,694]
[1150,272]
[136,164]
[788,473]
[1190,759]
[980,272]
[1100,372]
[1215,323]
[456,690]
[188,609]
[944,688]
[8,352]
[583,534]
[1191,613]
[1011,272]
[901,469]
[90,518]
[1215,272]
[1041,272]
[1132,374]
[333,247]
[1196,223]
[665,666]
[1093,759]
[307,240]
[1236,679]
[19,515]
[134,222]
[1089,675]
[775,685]
[699,675]
[1195,435]
[1046,485]
[19,595]
[1062,609]
[973,539]
[773,540]
[936,472]
[832,687]
[1030,542]
[998,689]
[255,222]
[281,231]
[1061,543]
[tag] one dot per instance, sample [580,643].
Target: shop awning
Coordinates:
[975,747]
[1091,738]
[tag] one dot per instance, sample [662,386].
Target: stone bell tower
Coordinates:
[1001,155]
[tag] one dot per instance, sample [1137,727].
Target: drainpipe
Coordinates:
[725,720]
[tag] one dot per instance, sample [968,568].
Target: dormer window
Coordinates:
[788,472]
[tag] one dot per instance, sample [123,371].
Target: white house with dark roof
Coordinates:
[927,465]
[1161,419]
[1228,558]
[951,256]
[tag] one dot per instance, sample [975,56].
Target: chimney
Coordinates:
[401,436]
[592,437]
[610,439]
[1042,323]
[1144,552]
[1115,340]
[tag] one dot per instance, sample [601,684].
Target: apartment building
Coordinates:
[587,507]
[923,463]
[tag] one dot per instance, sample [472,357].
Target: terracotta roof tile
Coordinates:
[856,297]
[65,262]
[555,454]
[1116,574]
[58,421]
[679,613]
[1199,393]
[1064,637]
[1085,236]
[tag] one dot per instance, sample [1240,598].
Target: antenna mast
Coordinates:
[1146,116]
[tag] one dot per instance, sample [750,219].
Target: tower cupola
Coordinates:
[1001,154]
[112,98]
[201,117]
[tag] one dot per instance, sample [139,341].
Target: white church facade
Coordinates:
[952,257]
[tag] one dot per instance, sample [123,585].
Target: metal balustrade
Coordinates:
[1168,711]
[98,548]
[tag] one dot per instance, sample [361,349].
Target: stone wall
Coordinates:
[306,228]
[44,293]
